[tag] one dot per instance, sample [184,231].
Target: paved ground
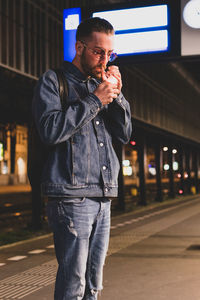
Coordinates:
[8,189]
[162,260]
[154,254]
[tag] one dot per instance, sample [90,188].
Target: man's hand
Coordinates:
[114,71]
[107,91]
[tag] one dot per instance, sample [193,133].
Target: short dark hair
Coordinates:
[88,26]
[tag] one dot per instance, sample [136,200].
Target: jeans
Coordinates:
[81,228]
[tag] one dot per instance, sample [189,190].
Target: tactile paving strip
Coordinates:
[24,283]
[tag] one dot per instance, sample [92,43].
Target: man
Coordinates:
[81,170]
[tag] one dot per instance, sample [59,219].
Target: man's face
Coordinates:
[96,52]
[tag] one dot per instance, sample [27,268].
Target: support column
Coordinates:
[171,174]
[188,170]
[37,200]
[12,150]
[142,159]
[8,151]
[181,169]
[196,159]
[158,156]
[119,149]
[37,207]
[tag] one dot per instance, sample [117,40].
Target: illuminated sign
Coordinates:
[191,14]
[71,20]
[139,30]
[190,27]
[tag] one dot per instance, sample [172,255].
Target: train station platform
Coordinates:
[154,254]
[20,188]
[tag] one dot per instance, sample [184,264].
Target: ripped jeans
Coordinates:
[81,228]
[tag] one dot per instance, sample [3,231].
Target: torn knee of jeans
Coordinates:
[93,291]
[71,228]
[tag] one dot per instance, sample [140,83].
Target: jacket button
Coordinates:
[101,144]
[97,122]
[104,168]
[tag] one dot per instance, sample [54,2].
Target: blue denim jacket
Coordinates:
[81,160]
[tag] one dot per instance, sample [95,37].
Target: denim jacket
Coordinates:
[81,161]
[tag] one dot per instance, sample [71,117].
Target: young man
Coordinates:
[81,170]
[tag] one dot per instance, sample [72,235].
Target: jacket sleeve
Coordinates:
[54,124]
[119,119]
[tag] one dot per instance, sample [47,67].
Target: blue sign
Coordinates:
[71,20]
[139,30]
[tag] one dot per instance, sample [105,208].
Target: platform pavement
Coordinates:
[150,256]
[19,188]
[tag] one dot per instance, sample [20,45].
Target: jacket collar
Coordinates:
[71,68]
[75,72]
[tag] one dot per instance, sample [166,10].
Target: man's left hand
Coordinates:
[114,71]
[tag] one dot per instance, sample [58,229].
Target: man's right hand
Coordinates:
[106,91]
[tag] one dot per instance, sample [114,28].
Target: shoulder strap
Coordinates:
[63,88]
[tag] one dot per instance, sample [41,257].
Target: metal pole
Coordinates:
[159,196]
[181,170]
[141,159]
[171,174]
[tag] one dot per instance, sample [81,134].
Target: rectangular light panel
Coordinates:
[136,18]
[139,30]
[150,41]
[71,20]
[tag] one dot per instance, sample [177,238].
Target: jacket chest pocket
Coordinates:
[81,157]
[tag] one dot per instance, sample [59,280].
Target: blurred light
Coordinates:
[1,151]
[8,204]
[133,143]
[127,171]
[17,214]
[174,151]
[166,167]
[165,148]
[180,192]
[21,166]
[134,192]
[152,171]
[175,165]
[185,175]
[5,168]
[193,190]
[179,175]
[126,162]
[192,174]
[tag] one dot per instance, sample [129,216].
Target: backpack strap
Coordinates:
[63,88]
